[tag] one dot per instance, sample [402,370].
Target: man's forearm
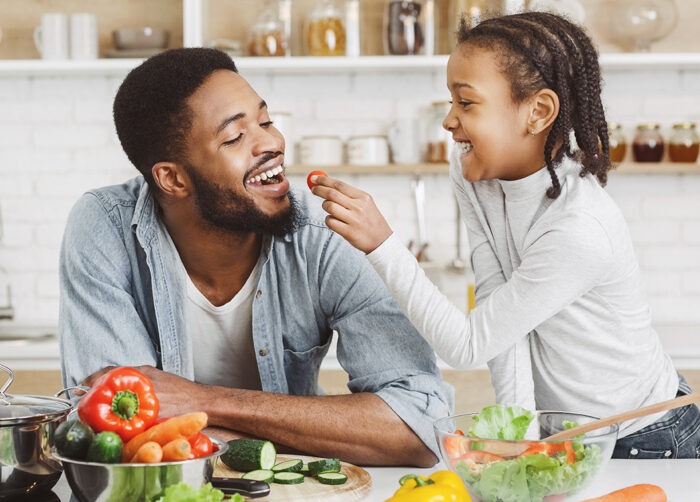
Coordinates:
[359,428]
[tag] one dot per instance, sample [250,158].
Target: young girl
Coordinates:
[561,315]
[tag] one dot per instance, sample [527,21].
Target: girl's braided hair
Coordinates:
[538,50]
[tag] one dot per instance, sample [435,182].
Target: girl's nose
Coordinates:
[450,121]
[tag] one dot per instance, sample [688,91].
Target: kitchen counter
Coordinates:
[679,478]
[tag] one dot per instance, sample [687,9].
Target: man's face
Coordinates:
[232,146]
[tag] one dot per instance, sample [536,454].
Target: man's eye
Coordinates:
[266,124]
[234,140]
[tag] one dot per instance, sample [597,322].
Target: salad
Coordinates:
[526,471]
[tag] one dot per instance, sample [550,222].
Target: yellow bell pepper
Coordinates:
[441,486]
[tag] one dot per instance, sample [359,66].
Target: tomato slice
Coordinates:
[314,173]
[200,445]
[551,449]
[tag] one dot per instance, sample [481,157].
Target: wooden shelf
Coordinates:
[425,168]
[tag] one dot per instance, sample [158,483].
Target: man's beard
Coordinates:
[223,209]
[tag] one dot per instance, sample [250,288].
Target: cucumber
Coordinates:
[324,465]
[73,438]
[249,455]
[259,475]
[288,478]
[331,478]
[289,466]
[106,447]
[305,470]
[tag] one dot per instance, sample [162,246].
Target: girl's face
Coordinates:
[490,130]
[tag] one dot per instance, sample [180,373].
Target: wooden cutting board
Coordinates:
[357,487]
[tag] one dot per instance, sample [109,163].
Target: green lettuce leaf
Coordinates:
[183,492]
[501,422]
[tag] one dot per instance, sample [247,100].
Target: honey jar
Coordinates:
[616,142]
[325,30]
[648,144]
[684,144]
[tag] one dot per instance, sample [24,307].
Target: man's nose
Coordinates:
[268,139]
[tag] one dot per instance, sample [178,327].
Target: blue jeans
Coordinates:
[675,435]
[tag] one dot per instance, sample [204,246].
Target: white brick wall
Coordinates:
[57,140]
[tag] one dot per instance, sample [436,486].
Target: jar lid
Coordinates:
[614,126]
[649,125]
[27,410]
[684,125]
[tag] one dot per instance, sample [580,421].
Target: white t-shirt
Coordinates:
[561,314]
[222,337]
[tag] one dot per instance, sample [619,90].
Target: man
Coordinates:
[207,274]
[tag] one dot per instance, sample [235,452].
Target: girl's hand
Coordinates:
[352,213]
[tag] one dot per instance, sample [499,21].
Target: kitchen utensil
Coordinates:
[476,459]
[357,487]
[51,36]
[91,481]
[418,188]
[140,38]
[457,262]
[248,487]
[628,415]
[27,426]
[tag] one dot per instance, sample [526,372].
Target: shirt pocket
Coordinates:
[302,368]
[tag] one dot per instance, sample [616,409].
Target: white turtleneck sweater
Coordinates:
[561,315]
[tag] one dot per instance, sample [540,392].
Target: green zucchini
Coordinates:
[288,478]
[106,447]
[294,465]
[324,465]
[72,439]
[331,478]
[249,455]
[259,475]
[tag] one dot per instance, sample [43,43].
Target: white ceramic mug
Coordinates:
[83,36]
[321,150]
[404,141]
[368,150]
[51,36]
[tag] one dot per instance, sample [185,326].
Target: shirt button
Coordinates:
[262,352]
[667,453]
[634,451]
[258,294]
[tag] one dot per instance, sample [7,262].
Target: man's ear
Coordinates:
[171,179]
[544,109]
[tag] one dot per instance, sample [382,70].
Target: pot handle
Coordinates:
[9,381]
[66,390]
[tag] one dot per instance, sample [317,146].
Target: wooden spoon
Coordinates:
[628,415]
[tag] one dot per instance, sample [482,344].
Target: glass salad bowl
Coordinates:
[522,470]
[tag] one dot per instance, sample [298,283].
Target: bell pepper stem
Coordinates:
[125,404]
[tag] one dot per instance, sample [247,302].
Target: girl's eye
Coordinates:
[267,124]
[234,140]
[464,104]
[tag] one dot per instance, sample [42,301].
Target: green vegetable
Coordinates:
[294,465]
[288,478]
[501,422]
[332,478]
[73,438]
[183,492]
[250,454]
[106,447]
[259,475]
[324,465]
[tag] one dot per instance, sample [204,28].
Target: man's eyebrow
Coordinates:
[235,117]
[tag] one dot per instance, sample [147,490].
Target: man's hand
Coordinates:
[177,395]
[90,381]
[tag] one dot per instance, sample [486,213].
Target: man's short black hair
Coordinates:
[150,109]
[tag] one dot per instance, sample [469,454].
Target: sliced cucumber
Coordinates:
[288,478]
[249,455]
[324,465]
[305,470]
[331,478]
[259,475]
[294,465]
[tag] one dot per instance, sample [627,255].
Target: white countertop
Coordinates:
[679,478]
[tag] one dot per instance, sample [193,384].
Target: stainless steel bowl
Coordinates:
[140,38]
[27,426]
[94,482]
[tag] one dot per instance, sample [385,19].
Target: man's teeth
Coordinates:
[270,173]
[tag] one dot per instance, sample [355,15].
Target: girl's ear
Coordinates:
[171,179]
[544,108]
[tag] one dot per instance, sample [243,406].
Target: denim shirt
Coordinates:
[123,290]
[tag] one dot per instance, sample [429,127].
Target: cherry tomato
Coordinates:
[314,173]
[200,445]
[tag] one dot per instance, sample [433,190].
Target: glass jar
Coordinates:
[403,27]
[616,142]
[684,144]
[268,36]
[325,30]
[438,139]
[648,144]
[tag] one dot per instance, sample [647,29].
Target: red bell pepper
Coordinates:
[200,445]
[123,401]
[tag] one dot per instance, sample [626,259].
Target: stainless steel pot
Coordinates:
[27,426]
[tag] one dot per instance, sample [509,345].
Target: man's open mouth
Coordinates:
[269,177]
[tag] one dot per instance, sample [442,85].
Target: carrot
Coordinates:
[181,426]
[177,449]
[634,493]
[149,453]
